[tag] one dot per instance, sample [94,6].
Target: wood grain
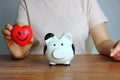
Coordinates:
[36,67]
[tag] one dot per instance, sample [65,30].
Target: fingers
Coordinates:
[116,57]
[116,49]
[7,31]
[9,27]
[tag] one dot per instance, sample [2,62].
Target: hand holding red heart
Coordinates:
[18,51]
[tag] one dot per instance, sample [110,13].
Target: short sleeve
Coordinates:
[22,16]
[95,14]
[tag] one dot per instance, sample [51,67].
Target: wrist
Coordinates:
[106,47]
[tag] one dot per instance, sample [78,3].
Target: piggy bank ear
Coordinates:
[49,37]
[67,36]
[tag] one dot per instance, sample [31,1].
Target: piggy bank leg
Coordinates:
[52,64]
[67,63]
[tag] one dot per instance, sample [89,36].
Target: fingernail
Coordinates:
[112,54]
[111,50]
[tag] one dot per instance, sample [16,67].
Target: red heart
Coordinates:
[21,34]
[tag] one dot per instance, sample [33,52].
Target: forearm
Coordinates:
[105,47]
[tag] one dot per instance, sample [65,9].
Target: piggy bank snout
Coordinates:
[58,53]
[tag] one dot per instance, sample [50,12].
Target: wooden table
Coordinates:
[83,67]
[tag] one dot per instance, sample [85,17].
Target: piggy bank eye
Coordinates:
[61,44]
[54,44]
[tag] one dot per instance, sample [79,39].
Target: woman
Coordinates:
[79,17]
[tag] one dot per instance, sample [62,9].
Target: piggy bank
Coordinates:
[59,51]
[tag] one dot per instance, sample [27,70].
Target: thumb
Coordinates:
[115,49]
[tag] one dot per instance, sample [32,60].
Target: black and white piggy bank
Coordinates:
[59,50]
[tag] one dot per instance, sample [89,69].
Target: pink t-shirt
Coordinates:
[58,17]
